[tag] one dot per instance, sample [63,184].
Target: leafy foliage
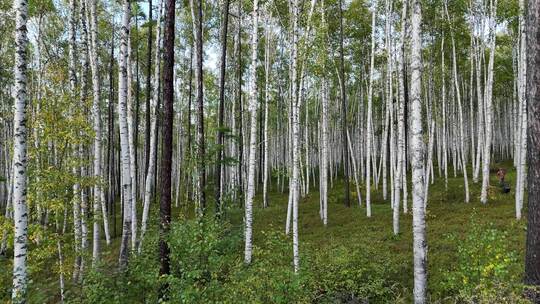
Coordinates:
[483,271]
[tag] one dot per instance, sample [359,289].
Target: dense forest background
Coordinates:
[267,151]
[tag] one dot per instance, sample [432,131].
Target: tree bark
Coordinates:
[369,133]
[148,91]
[417,160]
[488,110]
[196,15]
[167,143]
[532,256]
[221,114]
[343,108]
[153,138]
[124,140]
[253,106]
[20,134]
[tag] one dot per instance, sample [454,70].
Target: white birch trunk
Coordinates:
[355,171]
[488,108]
[324,155]
[96,115]
[417,160]
[480,128]
[522,124]
[294,191]
[124,136]
[131,145]
[20,134]
[370,114]
[400,172]
[253,105]
[266,100]
[153,124]
[460,113]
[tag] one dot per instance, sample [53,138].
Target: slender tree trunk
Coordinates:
[369,135]
[167,144]
[400,172]
[267,73]
[153,108]
[324,154]
[20,134]
[295,188]
[196,14]
[76,186]
[480,128]
[61,271]
[417,160]
[522,124]
[97,160]
[488,109]
[253,105]
[343,108]
[240,112]
[148,135]
[355,171]
[131,131]
[221,114]
[124,140]
[460,113]
[111,158]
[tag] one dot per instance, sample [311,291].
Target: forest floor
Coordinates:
[449,221]
[349,232]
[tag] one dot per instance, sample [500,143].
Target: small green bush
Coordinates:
[484,268]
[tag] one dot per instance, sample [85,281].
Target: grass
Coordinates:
[447,215]
[349,229]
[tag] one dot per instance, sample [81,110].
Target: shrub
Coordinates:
[484,269]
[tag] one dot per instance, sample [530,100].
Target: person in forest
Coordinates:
[501,174]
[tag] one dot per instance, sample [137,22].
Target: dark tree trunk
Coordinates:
[110,148]
[167,144]
[200,113]
[261,148]
[344,109]
[189,139]
[148,91]
[219,167]
[137,103]
[532,256]
[240,108]
[158,125]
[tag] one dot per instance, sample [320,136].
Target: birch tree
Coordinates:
[460,113]
[369,127]
[486,156]
[96,114]
[522,102]
[124,140]
[295,189]
[417,158]
[153,124]
[20,135]
[400,172]
[253,106]
[267,74]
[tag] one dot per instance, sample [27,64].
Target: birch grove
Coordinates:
[331,119]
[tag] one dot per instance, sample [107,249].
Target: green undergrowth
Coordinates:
[475,254]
